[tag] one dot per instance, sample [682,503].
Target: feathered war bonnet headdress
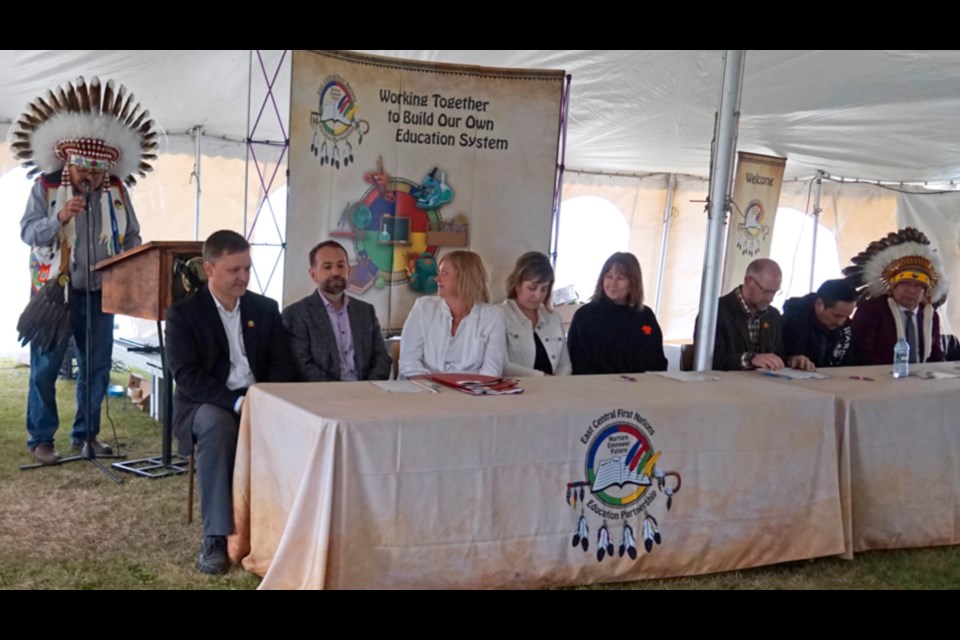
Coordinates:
[88,125]
[94,128]
[902,255]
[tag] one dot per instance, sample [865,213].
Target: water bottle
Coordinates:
[901,359]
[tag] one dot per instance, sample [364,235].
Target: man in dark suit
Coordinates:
[749,331]
[333,336]
[220,341]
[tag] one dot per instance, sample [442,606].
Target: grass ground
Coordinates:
[71,527]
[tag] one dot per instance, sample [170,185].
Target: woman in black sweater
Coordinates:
[615,332]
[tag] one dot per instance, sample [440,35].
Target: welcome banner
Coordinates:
[402,161]
[756,193]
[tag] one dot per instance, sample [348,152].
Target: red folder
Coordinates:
[478,385]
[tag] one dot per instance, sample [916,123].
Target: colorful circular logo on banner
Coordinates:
[619,462]
[337,107]
[389,232]
[753,219]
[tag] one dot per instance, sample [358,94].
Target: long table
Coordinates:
[899,443]
[344,485]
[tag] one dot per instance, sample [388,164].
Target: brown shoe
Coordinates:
[44,453]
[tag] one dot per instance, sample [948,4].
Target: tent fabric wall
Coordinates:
[680,302]
[871,114]
[641,199]
[856,213]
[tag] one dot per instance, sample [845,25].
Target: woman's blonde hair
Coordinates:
[532,266]
[471,276]
[630,267]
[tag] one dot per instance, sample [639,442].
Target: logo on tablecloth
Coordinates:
[623,480]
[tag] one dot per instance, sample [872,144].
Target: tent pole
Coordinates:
[721,174]
[817,184]
[665,240]
[558,188]
[246,162]
[198,148]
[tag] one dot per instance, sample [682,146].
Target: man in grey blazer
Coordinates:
[333,336]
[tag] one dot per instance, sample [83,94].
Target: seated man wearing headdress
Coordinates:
[902,280]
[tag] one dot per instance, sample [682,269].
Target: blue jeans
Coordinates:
[42,417]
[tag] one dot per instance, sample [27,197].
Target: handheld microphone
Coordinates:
[87,187]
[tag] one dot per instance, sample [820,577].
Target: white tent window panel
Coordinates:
[267,244]
[791,248]
[14,260]
[591,229]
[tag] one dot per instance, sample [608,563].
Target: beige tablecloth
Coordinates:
[899,448]
[343,485]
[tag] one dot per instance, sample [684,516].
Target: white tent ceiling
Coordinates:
[876,115]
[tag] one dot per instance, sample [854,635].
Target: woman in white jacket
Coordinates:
[536,344]
[456,331]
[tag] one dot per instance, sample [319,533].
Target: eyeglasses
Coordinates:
[770,292]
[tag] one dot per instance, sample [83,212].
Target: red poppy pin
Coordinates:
[647,329]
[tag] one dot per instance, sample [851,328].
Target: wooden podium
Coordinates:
[142,283]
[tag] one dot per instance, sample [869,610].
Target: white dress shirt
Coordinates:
[426,345]
[241,376]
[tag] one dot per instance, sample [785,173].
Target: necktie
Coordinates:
[910,329]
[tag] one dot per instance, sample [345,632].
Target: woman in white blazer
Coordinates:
[456,331]
[536,344]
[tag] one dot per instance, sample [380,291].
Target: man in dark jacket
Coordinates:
[818,325]
[748,328]
[220,341]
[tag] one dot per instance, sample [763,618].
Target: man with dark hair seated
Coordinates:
[333,336]
[818,325]
[220,341]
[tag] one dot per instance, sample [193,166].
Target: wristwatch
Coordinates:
[746,359]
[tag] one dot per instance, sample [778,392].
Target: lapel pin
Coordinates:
[250,324]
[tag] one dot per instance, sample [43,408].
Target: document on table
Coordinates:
[687,376]
[934,375]
[404,386]
[788,373]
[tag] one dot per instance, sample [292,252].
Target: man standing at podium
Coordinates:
[85,141]
[220,341]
